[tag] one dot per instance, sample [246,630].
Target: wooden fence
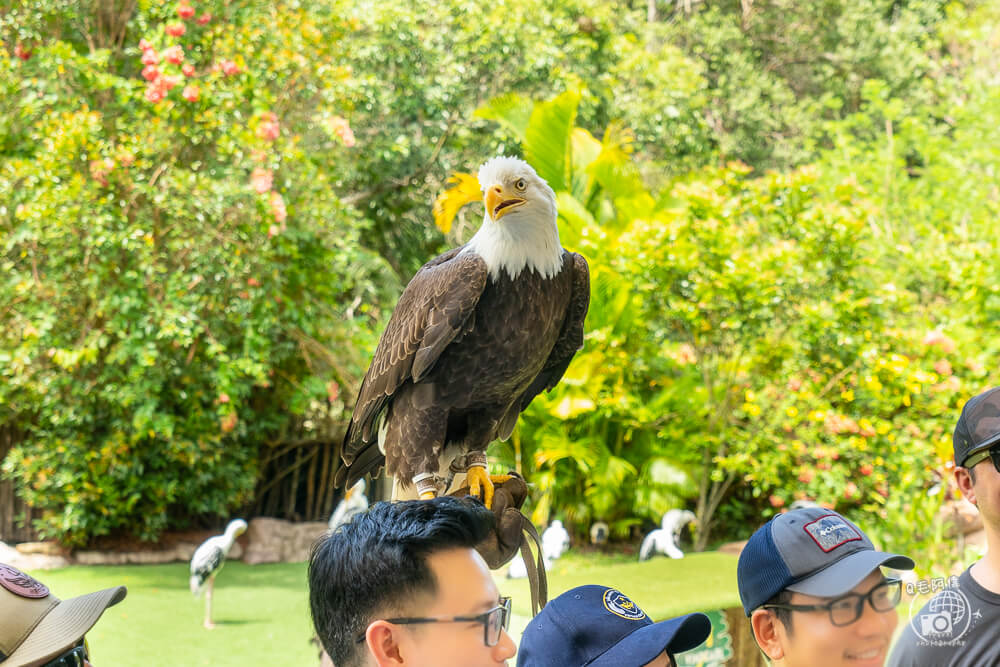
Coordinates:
[15,515]
[295,482]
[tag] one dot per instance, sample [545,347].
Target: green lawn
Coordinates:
[661,586]
[262,611]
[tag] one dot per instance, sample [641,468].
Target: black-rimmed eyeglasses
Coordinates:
[847,609]
[494,622]
[75,657]
[992,453]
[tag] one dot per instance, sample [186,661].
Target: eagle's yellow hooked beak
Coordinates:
[499,202]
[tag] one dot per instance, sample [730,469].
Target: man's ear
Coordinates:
[382,639]
[965,484]
[765,631]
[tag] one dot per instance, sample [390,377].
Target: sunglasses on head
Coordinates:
[993,453]
[75,657]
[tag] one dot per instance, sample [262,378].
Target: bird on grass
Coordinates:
[353,502]
[664,539]
[478,333]
[208,559]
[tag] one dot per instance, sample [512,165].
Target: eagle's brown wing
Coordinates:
[569,342]
[433,309]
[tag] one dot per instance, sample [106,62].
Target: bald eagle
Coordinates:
[478,333]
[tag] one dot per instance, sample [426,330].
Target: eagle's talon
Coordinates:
[480,485]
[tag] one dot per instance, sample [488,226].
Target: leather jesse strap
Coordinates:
[513,531]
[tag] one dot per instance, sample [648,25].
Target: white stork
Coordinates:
[208,559]
[555,540]
[518,570]
[664,540]
[353,502]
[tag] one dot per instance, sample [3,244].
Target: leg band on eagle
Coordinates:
[428,485]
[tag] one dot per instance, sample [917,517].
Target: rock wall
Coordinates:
[266,541]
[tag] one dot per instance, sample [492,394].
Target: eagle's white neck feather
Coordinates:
[516,245]
[526,238]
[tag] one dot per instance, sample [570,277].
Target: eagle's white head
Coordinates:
[519,227]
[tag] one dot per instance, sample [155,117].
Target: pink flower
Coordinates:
[776,501]
[229,68]
[253,282]
[154,93]
[188,70]
[190,93]
[204,18]
[144,44]
[332,390]
[850,490]
[273,231]
[278,207]
[943,368]
[174,54]
[937,337]
[261,180]
[269,129]
[223,398]
[169,81]
[806,476]
[185,11]
[175,29]
[794,384]
[866,469]
[150,72]
[150,57]
[99,170]
[228,423]
[342,129]
[348,137]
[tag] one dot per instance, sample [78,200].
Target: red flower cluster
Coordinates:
[261,180]
[185,11]
[342,129]
[22,52]
[229,68]
[269,129]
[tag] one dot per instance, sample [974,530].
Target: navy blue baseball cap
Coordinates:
[597,626]
[814,551]
[978,427]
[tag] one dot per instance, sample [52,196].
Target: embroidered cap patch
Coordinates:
[619,605]
[21,584]
[830,532]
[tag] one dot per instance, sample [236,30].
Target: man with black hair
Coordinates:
[812,586]
[957,627]
[403,586]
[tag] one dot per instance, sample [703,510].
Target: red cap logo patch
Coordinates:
[21,584]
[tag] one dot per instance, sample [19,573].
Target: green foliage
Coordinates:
[750,338]
[169,264]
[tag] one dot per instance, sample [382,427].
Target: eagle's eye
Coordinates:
[520,185]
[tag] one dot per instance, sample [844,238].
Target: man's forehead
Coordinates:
[463,576]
